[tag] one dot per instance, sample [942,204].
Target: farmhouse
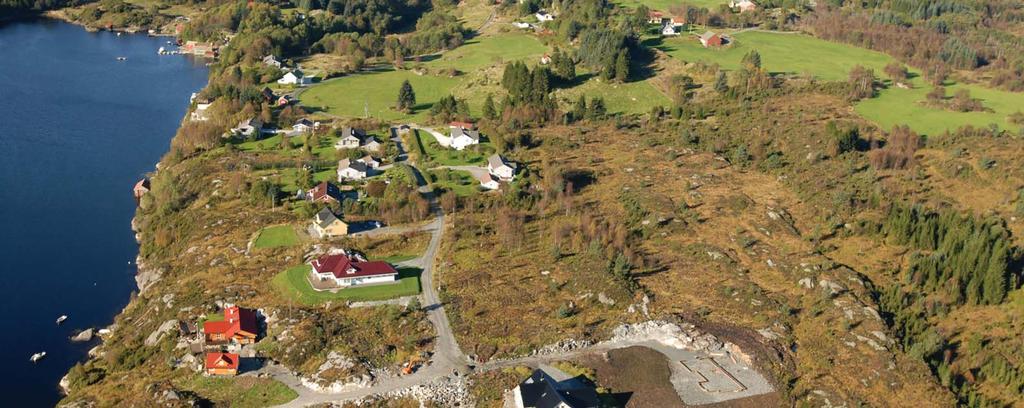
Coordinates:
[710,39]
[327,225]
[295,77]
[498,167]
[351,170]
[239,326]
[351,138]
[223,364]
[543,16]
[541,390]
[743,5]
[249,127]
[462,138]
[272,61]
[305,125]
[654,17]
[351,270]
[325,192]
[669,29]
[488,182]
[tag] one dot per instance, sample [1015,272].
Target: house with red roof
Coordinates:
[221,364]
[325,192]
[239,326]
[351,270]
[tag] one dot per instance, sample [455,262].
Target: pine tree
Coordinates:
[580,110]
[539,85]
[489,111]
[752,60]
[597,109]
[622,66]
[721,83]
[406,97]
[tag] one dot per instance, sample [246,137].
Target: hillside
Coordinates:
[803,204]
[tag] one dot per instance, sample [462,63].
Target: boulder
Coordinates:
[84,335]
[158,334]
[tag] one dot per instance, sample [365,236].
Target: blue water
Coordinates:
[77,129]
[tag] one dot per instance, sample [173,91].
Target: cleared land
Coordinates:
[377,91]
[241,391]
[666,5]
[802,54]
[294,283]
[277,236]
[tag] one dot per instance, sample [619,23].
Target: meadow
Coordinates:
[294,284]
[666,5]
[786,53]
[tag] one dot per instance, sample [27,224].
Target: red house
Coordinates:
[462,125]
[710,39]
[221,364]
[344,270]
[239,325]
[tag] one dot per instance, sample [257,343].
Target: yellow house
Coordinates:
[327,225]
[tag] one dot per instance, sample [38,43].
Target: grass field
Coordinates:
[450,157]
[630,97]
[277,236]
[666,5]
[293,283]
[460,182]
[241,392]
[377,91]
[801,54]
[780,53]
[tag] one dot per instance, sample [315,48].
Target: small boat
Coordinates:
[122,58]
[38,356]
[62,318]
[119,34]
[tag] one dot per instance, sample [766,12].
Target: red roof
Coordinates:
[227,361]
[341,266]
[325,190]
[464,125]
[236,319]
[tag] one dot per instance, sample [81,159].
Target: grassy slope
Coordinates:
[666,5]
[294,284]
[277,236]
[801,54]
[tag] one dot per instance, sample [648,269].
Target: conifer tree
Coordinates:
[406,97]
[622,66]
[489,110]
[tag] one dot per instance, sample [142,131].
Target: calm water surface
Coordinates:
[77,129]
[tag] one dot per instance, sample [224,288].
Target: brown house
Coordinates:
[325,192]
[239,325]
[221,364]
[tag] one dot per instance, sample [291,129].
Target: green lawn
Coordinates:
[377,91]
[241,392]
[277,236]
[780,53]
[294,284]
[444,156]
[461,182]
[801,54]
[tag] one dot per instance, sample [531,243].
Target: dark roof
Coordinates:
[325,190]
[472,134]
[355,165]
[325,218]
[542,391]
[351,131]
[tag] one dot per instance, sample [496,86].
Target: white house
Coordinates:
[743,5]
[272,61]
[543,16]
[351,138]
[295,77]
[371,144]
[351,270]
[249,127]
[522,25]
[200,114]
[668,29]
[462,138]
[305,126]
[351,170]
[369,161]
[488,182]
[498,167]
